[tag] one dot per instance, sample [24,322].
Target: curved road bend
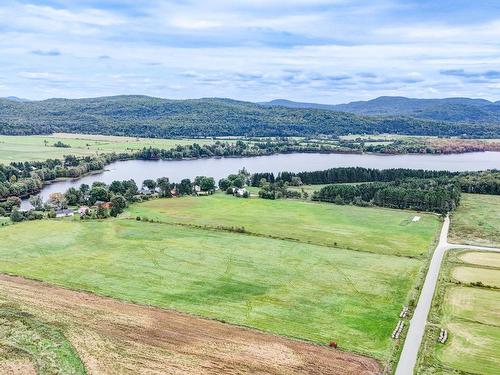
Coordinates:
[416,331]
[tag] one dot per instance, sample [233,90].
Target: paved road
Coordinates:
[415,334]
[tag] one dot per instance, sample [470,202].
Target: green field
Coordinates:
[378,230]
[290,288]
[471,314]
[477,220]
[40,147]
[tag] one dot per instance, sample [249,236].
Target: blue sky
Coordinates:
[309,50]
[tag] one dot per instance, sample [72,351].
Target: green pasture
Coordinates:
[477,220]
[289,288]
[378,230]
[41,147]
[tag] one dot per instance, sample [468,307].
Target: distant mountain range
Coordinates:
[448,109]
[16,99]
[145,116]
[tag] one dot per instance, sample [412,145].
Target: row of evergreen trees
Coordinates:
[350,174]
[435,195]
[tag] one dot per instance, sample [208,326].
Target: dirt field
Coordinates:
[115,337]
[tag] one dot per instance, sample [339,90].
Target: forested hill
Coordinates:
[155,117]
[457,110]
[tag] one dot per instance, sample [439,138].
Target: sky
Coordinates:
[306,50]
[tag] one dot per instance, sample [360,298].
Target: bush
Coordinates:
[16,216]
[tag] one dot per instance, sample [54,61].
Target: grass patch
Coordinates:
[377,230]
[22,336]
[472,348]
[477,220]
[484,259]
[469,275]
[289,288]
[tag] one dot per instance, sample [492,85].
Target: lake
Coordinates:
[176,170]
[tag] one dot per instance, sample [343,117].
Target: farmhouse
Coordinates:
[64,213]
[198,191]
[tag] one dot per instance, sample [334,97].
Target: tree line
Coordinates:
[483,182]
[281,145]
[21,179]
[439,195]
[348,174]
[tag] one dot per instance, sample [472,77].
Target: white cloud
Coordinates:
[312,49]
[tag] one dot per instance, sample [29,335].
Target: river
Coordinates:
[139,170]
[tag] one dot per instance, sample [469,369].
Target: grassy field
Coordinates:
[471,315]
[467,275]
[289,288]
[481,259]
[477,220]
[41,147]
[377,230]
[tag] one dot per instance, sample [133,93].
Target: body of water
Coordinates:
[176,170]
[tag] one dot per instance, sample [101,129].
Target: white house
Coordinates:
[240,192]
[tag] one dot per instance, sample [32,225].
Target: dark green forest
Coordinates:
[435,195]
[163,118]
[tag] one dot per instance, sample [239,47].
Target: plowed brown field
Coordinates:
[114,337]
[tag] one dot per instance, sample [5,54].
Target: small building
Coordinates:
[240,192]
[64,213]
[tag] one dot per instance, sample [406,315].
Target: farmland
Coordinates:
[383,231]
[113,337]
[477,220]
[467,304]
[290,287]
[41,147]
[23,338]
